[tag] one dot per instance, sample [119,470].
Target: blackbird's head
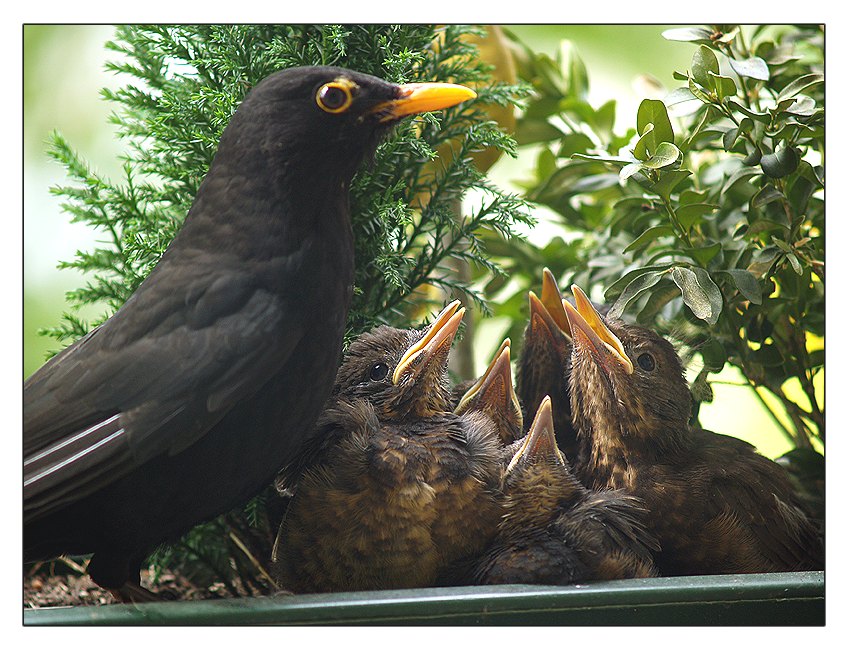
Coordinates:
[315,115]
[494,396]
[543,367]
[538,480]
[402,373]
[627,381]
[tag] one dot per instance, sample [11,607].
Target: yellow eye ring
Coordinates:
[334,97]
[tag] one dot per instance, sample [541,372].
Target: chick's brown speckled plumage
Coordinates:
[396,490]
[554,530]
[715,505]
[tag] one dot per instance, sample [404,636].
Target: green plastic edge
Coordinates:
[796,598]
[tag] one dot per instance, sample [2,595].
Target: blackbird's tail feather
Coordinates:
[73,467]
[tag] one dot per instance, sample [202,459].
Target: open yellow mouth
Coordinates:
[422,97]
[585,320]
[438,337]
[496,383]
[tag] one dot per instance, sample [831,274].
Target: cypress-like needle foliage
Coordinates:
[183,84]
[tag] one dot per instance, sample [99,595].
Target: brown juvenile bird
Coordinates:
[493,395]
[556,531]
[545,361]
[715,504]
[399,490]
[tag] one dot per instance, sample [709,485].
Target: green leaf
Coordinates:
[688,34]
[669,180]
[803,106]
[648,236]
[794,262]
[616,288]
[653,111]
[703,254]
[689,215]
[629,170]
[767,194]
[729,139]
[546,164]
[535,130]
[704,63]
[746,283]
[634,289]
[605,118]
[619,160]
[780,163]
[724,86]
[645,145]
[764,118]
[753,68]
[573,70]
[714,355]
[798,85]
[574,143]
[698,93]
[699,292]
[738,175]
[666,154]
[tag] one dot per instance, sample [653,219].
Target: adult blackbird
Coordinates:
[544,364]
[556,531]
[192,395]
[493,395]
[715,505]
[396,491]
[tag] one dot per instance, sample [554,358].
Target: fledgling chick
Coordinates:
[396,489]
[545,362]
[554,530]
[715,504]
[493,395]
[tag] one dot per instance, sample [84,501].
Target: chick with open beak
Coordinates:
[715,505]
[554,530]
[396,490]
[545,361]
[493,395]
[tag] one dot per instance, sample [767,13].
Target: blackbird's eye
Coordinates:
[646,361]
[378,371]
[334,97]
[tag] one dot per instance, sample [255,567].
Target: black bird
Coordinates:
[545,362]
[192,395]
[556,531]
[397,491]
[493,395]
[715,504]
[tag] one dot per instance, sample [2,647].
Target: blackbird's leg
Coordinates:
[119,573]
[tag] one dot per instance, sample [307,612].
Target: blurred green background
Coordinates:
[63,75]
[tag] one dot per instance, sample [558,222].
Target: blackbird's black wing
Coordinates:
[152,379]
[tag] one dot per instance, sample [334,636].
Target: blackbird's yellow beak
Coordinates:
[587,324]
[438,338]
[422,97]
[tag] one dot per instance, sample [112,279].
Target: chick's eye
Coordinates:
[378,371]
[646,361]
[334,97]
